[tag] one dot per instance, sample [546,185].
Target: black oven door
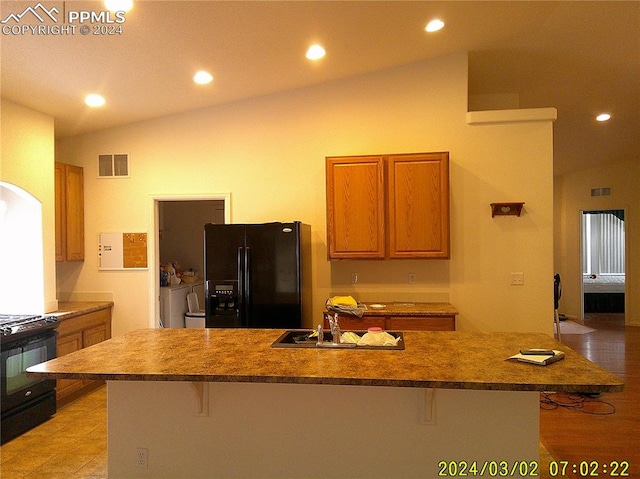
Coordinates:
[17,356]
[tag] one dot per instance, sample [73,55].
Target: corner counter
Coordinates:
[71,309]
[249,410]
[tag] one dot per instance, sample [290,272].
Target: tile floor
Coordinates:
[71,445]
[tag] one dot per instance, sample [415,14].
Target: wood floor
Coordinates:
[72,445]
[590,433]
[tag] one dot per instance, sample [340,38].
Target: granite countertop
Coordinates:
[71,309]
[397,308]
[431,359]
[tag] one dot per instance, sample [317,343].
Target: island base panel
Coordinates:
[262,430]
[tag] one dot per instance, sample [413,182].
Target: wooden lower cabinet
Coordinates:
[396,323]
[68,344]
[421,323]
[77,333]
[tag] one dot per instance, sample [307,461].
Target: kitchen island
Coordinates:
[223,403]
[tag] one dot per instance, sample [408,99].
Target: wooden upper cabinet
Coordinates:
[69,195]
[355,207]
[418,187]
[61,212]
[392,206]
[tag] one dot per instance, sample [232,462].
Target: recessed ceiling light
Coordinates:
[434,25]
[94,100]
[603,117]
[202,77]
[118,5]
[315,52]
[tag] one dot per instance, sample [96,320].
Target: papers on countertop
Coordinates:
[539,359]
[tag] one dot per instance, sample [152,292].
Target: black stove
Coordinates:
[26,401]
[16,326]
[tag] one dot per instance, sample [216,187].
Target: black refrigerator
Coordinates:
[257,275]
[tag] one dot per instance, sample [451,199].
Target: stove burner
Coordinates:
[12,324]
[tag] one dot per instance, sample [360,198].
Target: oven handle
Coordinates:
[22,342]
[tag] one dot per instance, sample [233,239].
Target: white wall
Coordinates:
[573,195]
[27,161]
[269,153]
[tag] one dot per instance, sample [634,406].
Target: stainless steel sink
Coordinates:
[299,338]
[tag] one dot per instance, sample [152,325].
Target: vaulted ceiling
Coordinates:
[578,56]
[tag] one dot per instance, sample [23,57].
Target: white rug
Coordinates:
[571,327]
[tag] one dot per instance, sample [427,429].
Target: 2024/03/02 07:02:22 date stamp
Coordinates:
[532,468]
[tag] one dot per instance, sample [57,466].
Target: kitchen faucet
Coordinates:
[336,338]
[335,328]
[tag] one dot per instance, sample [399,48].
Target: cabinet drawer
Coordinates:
[422,323]
[86,321]
[397,323]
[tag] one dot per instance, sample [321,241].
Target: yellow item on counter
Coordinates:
[350,337]
[378,338]
[343,301]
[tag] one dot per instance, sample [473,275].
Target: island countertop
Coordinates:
[431,359]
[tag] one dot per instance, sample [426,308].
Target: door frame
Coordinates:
[154,243]
[626,258]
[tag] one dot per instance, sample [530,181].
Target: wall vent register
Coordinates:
[113,166]
[600,191]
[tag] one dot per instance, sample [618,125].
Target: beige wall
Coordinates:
[268,153]
[573,195]
[27,161]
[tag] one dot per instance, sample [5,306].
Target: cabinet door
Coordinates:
[75,213]
[61,212]
[95,335]
[67,344]
[418,190]
[355,207]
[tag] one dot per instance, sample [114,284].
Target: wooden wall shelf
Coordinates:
[506,209]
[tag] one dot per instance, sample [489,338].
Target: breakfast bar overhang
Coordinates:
[224,403]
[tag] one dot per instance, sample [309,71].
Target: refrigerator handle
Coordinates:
[239,306]
[247,279]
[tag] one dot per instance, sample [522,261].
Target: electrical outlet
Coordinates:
[354,278]
[142,457]
[517,279]
[412,278]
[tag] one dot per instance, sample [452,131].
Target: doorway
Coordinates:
[603,262]
[178,226]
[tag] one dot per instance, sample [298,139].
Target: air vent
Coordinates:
[113,166]
[600,191]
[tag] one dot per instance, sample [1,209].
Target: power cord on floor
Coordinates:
[581,402]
